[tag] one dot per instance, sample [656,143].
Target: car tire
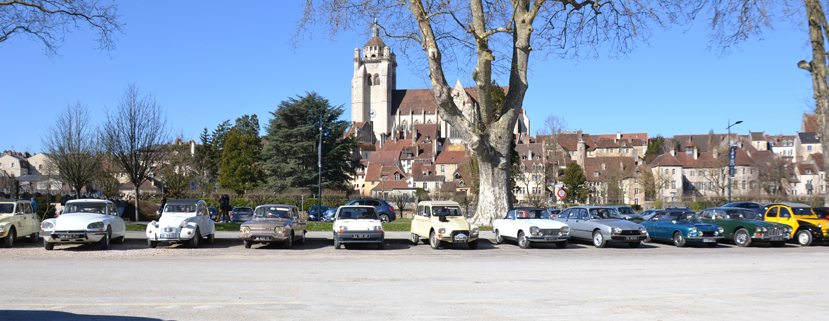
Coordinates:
[498,238]
[152,244]
[561,245]
[302,239]
[194,241]
[34,237]
[414,238]
[9,240]
[473,245]
[381,245]
[337,244]
[741,238]
[248,244]
[679,240]
[384,218]
[211,238]
[804,238]
[599,240]
[120,240]
[712,245]
[778,243]
[48,246]
[433,241]
[289,242]
[634,245]
[104,242]
[523,242]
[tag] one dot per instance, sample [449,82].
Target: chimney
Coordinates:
[618,136]
[192,147]
[673,152]
[696,152]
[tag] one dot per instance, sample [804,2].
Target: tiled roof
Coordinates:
[757,136]
[803,169]
[808,138]
[385,158]
[375,41]
[416,101]
[389,185]
[449,157]
[621,165]
[818,158]
[666,160]
[640,136]
[809,124]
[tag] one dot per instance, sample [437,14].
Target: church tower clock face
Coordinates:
[372,113]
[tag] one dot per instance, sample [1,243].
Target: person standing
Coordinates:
[224,203]
[163,202]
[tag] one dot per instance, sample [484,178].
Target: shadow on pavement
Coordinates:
[615,245]
[58,315]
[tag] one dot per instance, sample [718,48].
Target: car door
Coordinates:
[202,217]
[771,214]
[31,219]
[117,223]
[297,224]
[509,227]
[577,221]
[425,223]
[784,216]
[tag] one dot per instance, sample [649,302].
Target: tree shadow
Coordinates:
[60,315]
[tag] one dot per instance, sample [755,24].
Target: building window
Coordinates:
[744,171]
[673,171]
[666,185]
[666,171]
[424,186]
[12,165]
[595,174]
[809,171]
[397,177]
[373,183]
[744,184]
[1,165]
[437,184]
[442,168]
[691,172]
[809,148]
[635,201]
[635,191]
[40,166]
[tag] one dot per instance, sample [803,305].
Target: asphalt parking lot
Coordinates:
[404,282]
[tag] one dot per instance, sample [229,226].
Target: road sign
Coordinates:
[192,185]
[561,193]
[732,160]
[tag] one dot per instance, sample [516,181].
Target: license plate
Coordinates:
[168,235]
[261,238]
[777,238]
[70,236]
[550,238]
[460,238]
[360,236]
[632,238]
[709,240]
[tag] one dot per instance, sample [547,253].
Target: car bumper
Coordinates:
[628,238]
[704,239]
[772,238]
[546,239]
[360,237]
[182,235]
[449,239]
[253,237]
[73,236]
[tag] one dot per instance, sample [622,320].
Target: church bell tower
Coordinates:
[374,79]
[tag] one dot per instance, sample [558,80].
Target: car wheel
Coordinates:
[152,244]
[289,242]
[34,237]
[598,239]
[120,240]
[381,245]
[561,245]
[523,241]
[9,240]
[384,218]
[248,244]
[415,239]
[194,241]
[713,244]
[679,240]
[473,245]
[634,245]
[778,243]
[337,244]
[804,238]
[302,239]
[104,242]
[48,246]
[741,238]
[211,238]
[498,238]
[433,240]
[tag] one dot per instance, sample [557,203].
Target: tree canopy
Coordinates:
[240,155]
[575,184]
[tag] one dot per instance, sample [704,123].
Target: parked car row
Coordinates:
[437,223]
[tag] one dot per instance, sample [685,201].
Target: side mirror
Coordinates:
[673,221]
[625,218]
[157,213]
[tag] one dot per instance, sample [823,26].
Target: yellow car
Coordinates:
[17,219]
[442,223]
[806,226]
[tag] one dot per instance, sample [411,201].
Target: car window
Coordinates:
[709,214]
[510,214]
[752,205]
[663,217]
[84,207]
[373,203]
[583,213]
[357,213]
[784,212]
[772,212]
[427,211]
[574,213]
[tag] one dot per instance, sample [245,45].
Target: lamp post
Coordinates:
[729,156]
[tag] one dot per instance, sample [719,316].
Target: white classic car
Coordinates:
[182,221]
[528,225]
[358,224]
[18,219]
[84,221]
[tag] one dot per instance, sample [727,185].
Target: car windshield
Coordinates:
[272,212]
[179,208]
[684,216]
[529,214]
[803,211]
[85,207]
[242,210]
[604,213]
[6,208]
[626,210]
[742,215]
[357,213]
[446,211]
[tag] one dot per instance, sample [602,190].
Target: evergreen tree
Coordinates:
[240,154]
[575,184]
[290,153]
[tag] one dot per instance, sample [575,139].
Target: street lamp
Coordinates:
[729,157]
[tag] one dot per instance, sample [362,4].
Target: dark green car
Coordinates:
[745,226]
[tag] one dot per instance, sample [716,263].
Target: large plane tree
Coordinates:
[491,37]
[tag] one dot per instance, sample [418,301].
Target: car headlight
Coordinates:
[43,226]
[716,233]
[721,229]
[534,230]
[442,231]
[693,230]
[2,228]
[476,231]
[95,225]
[154,223]
[564,230]
[278,229]
[377,228]
[616,230]
[819,225]
[245,229]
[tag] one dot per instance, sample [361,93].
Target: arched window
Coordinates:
[368,80]
[376,79]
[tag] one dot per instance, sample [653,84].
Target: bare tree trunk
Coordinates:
[817,68]
[136,203]
[494,194]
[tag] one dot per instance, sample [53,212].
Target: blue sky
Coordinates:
[206,62]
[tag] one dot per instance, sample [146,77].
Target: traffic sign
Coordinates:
[561,193]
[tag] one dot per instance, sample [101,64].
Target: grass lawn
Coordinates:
[233,227]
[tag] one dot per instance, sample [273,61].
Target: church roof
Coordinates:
[416,101]
[375,41]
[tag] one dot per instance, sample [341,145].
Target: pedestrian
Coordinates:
[34,204]
[163,202]
[224,204]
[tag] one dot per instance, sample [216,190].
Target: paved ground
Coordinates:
[404,282]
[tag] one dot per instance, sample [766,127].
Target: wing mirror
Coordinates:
[157,213]
[626,218]
[673,221]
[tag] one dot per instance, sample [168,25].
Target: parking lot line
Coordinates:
[151,304]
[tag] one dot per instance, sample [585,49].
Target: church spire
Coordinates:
[375,29]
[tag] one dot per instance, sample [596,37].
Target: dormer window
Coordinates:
[809,171]
[595,174]
[397,177]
